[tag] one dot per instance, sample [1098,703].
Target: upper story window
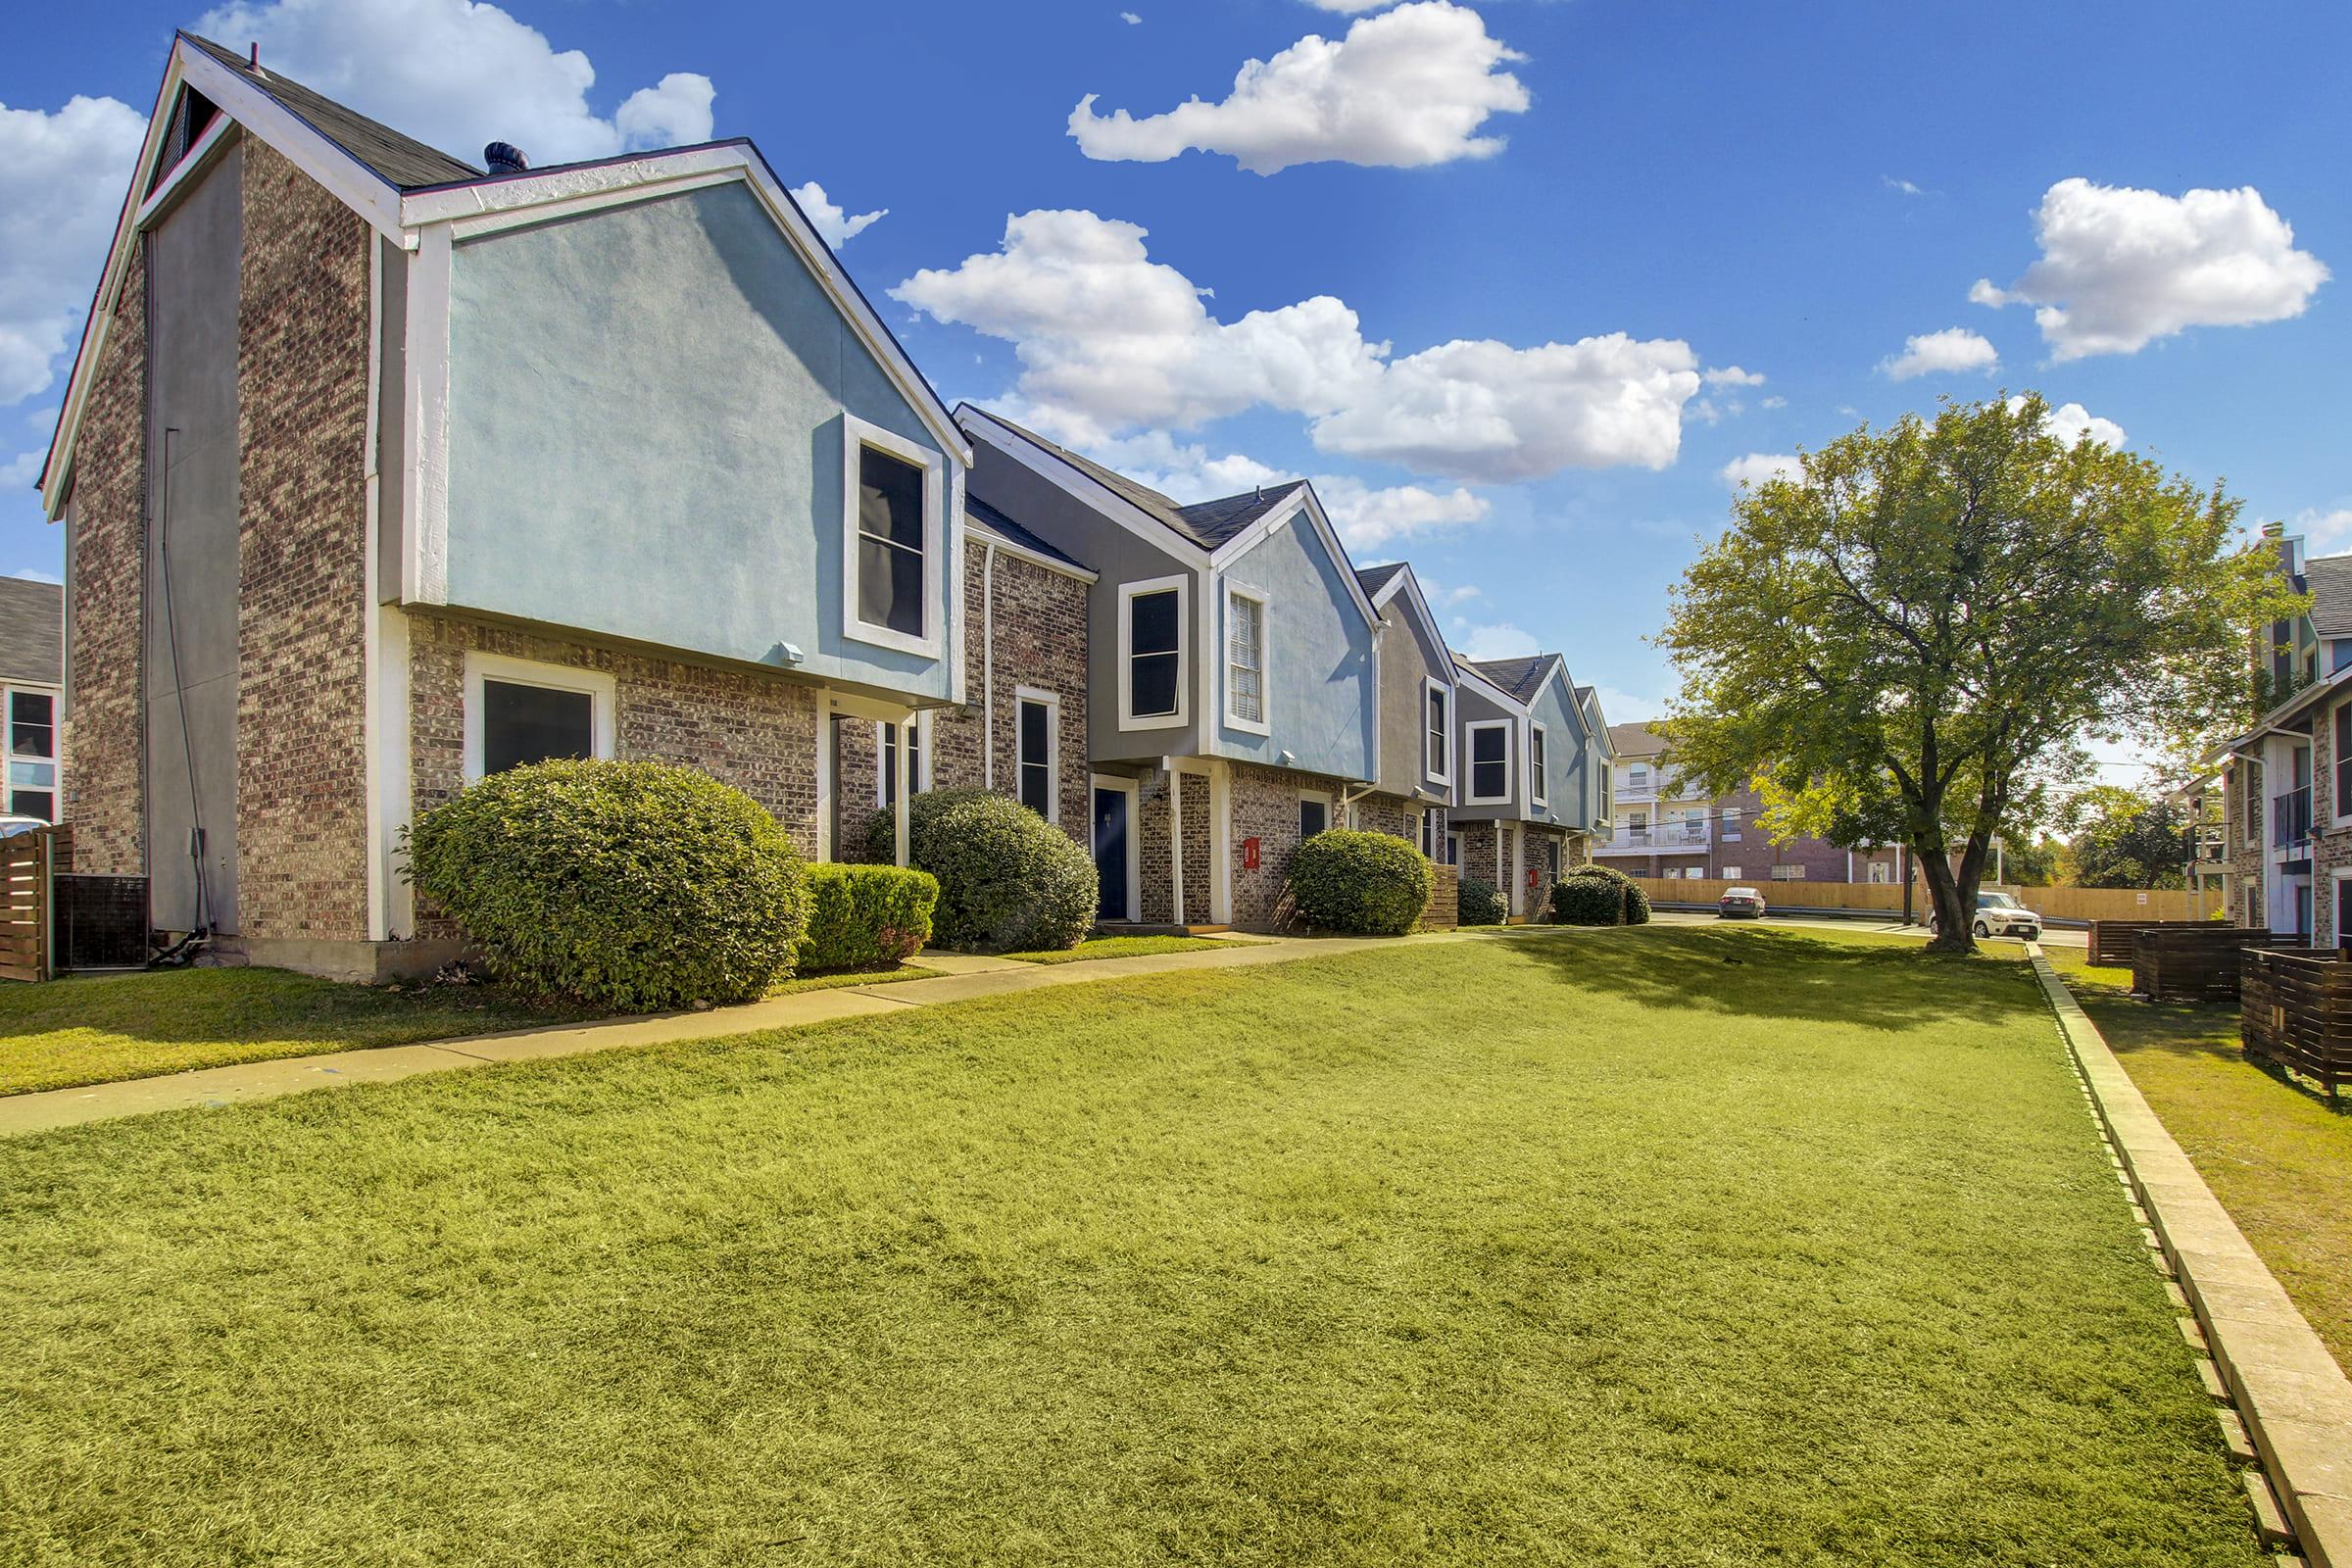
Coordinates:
[1539,790]
[1151,618]
[33,754]
[1437,731]
[891,539]
[519,712]
[1037,741]
[2342,737]
[1245,659]
[1490,761]
[1637,776]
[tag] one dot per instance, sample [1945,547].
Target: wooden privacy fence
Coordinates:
[2196,962]
[2111,941]
[2145,907]
[1876,896]
[2295,1010]
[27,861]
[1444,911]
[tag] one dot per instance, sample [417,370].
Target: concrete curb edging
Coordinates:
[2295,1401]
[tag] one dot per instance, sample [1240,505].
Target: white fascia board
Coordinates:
[344,176]
[1486,688]
[1081,486]
[486,206]
[1305,501]
[1021,551]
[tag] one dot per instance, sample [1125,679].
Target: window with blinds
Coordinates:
[1245,658]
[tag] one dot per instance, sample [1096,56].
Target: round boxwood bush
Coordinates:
[1587,901]
[1009,881]
[1482,902]
[864,917]
[635,885]
[1366,884]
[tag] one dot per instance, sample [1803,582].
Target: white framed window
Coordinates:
[1787,873]
[1879,871]
[892,505]
[1539,790]
[916,732]
[1437,731]
[1433,832]
[1637,777]
[521,711]
[1245,659]
[1490,761]
[33,785]
[1453,849]
[1314,813]
[1152,615]
[1037,751]
[1730,873]
[1731,824]
[2339,736]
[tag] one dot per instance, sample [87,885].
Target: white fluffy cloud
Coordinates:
[1953,351]
[2121,267]
[1760,467]
[61,189]
[1350,7]
[1404,89]
[1112,341]
[1366,517]
[2323,531]
[1130,19]
[1502,640]
[2070,422]
[837,227]
[1731,375]
[1628,708]
[459,73]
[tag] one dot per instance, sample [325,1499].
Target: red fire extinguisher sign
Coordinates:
[1250,855]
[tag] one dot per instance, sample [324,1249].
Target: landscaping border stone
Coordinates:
[2295,1401]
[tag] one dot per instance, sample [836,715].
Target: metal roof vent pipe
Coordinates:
[505,158]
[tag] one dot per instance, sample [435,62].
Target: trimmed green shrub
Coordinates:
[635,885]
[1482,902]
[862,916]
[1593,889]
[1587,901]
[1366,884]
[1009,881]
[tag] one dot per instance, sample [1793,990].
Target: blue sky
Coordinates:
[1491,295]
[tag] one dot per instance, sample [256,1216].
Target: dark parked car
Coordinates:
[1740,903]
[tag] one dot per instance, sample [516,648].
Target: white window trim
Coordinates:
[1430,686]
[56,757]
[1052,702]
[1539,790]
[600,686]
[2336,803]
[854,434]
[1182,583]
[1263,726]
[1324,798]
[1470,796]
[920,780]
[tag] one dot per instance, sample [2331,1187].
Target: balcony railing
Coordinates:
[1662,836]
[2291,818]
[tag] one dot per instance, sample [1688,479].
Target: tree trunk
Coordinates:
[1955,914]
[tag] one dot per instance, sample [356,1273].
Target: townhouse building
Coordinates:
[32,663]
[1668,827]
[2287,781]
[380,472]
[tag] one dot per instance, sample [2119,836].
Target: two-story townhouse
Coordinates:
[32,656]
[1231,661]
[380,472]
[1525,805]
[1416,740]
[2286,782]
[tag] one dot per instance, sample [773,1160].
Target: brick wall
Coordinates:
[754,731]
[1199,859]
[302,374]
[1391,815]
[1156,897]
[105,766]
[1041,642]
[1478,851]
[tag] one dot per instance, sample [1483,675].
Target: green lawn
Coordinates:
[2271,1149]
[1671,1246]
[838,978]
[1130,948]
[93,1031]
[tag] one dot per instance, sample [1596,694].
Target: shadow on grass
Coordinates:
[2134,1027]
[1760,972]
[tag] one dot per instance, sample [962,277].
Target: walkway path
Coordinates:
[963,977]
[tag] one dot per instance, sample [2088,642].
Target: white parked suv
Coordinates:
[1999,915]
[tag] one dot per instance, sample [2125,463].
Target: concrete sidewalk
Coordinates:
[964,977]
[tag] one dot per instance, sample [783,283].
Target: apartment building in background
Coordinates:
[1668,827]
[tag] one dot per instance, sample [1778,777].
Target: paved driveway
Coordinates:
[2051,937]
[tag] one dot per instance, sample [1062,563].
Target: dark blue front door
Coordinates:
[1110,853]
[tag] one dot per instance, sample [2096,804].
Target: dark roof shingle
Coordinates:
[1004,528]
[1372,579]
[1518,677]
[1636,740]
[1212,522]
[33,632]
[2331,581]
[395,159]
[1206,524]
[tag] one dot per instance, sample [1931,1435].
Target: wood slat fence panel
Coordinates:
[2295,1011]
[2196,962]
[1444,911]
[25,863]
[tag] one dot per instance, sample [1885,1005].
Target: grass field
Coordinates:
[98,1030]
[1130,948]
[2271,1151]
[836,979]
[1666,1248]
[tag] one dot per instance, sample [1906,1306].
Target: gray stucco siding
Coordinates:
[1564,743]
[1473,707]
[647,438]
[1407,659]
[1320,697]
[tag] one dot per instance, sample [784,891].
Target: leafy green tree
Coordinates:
[2122,840]
[2034,862]
[1915,639]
